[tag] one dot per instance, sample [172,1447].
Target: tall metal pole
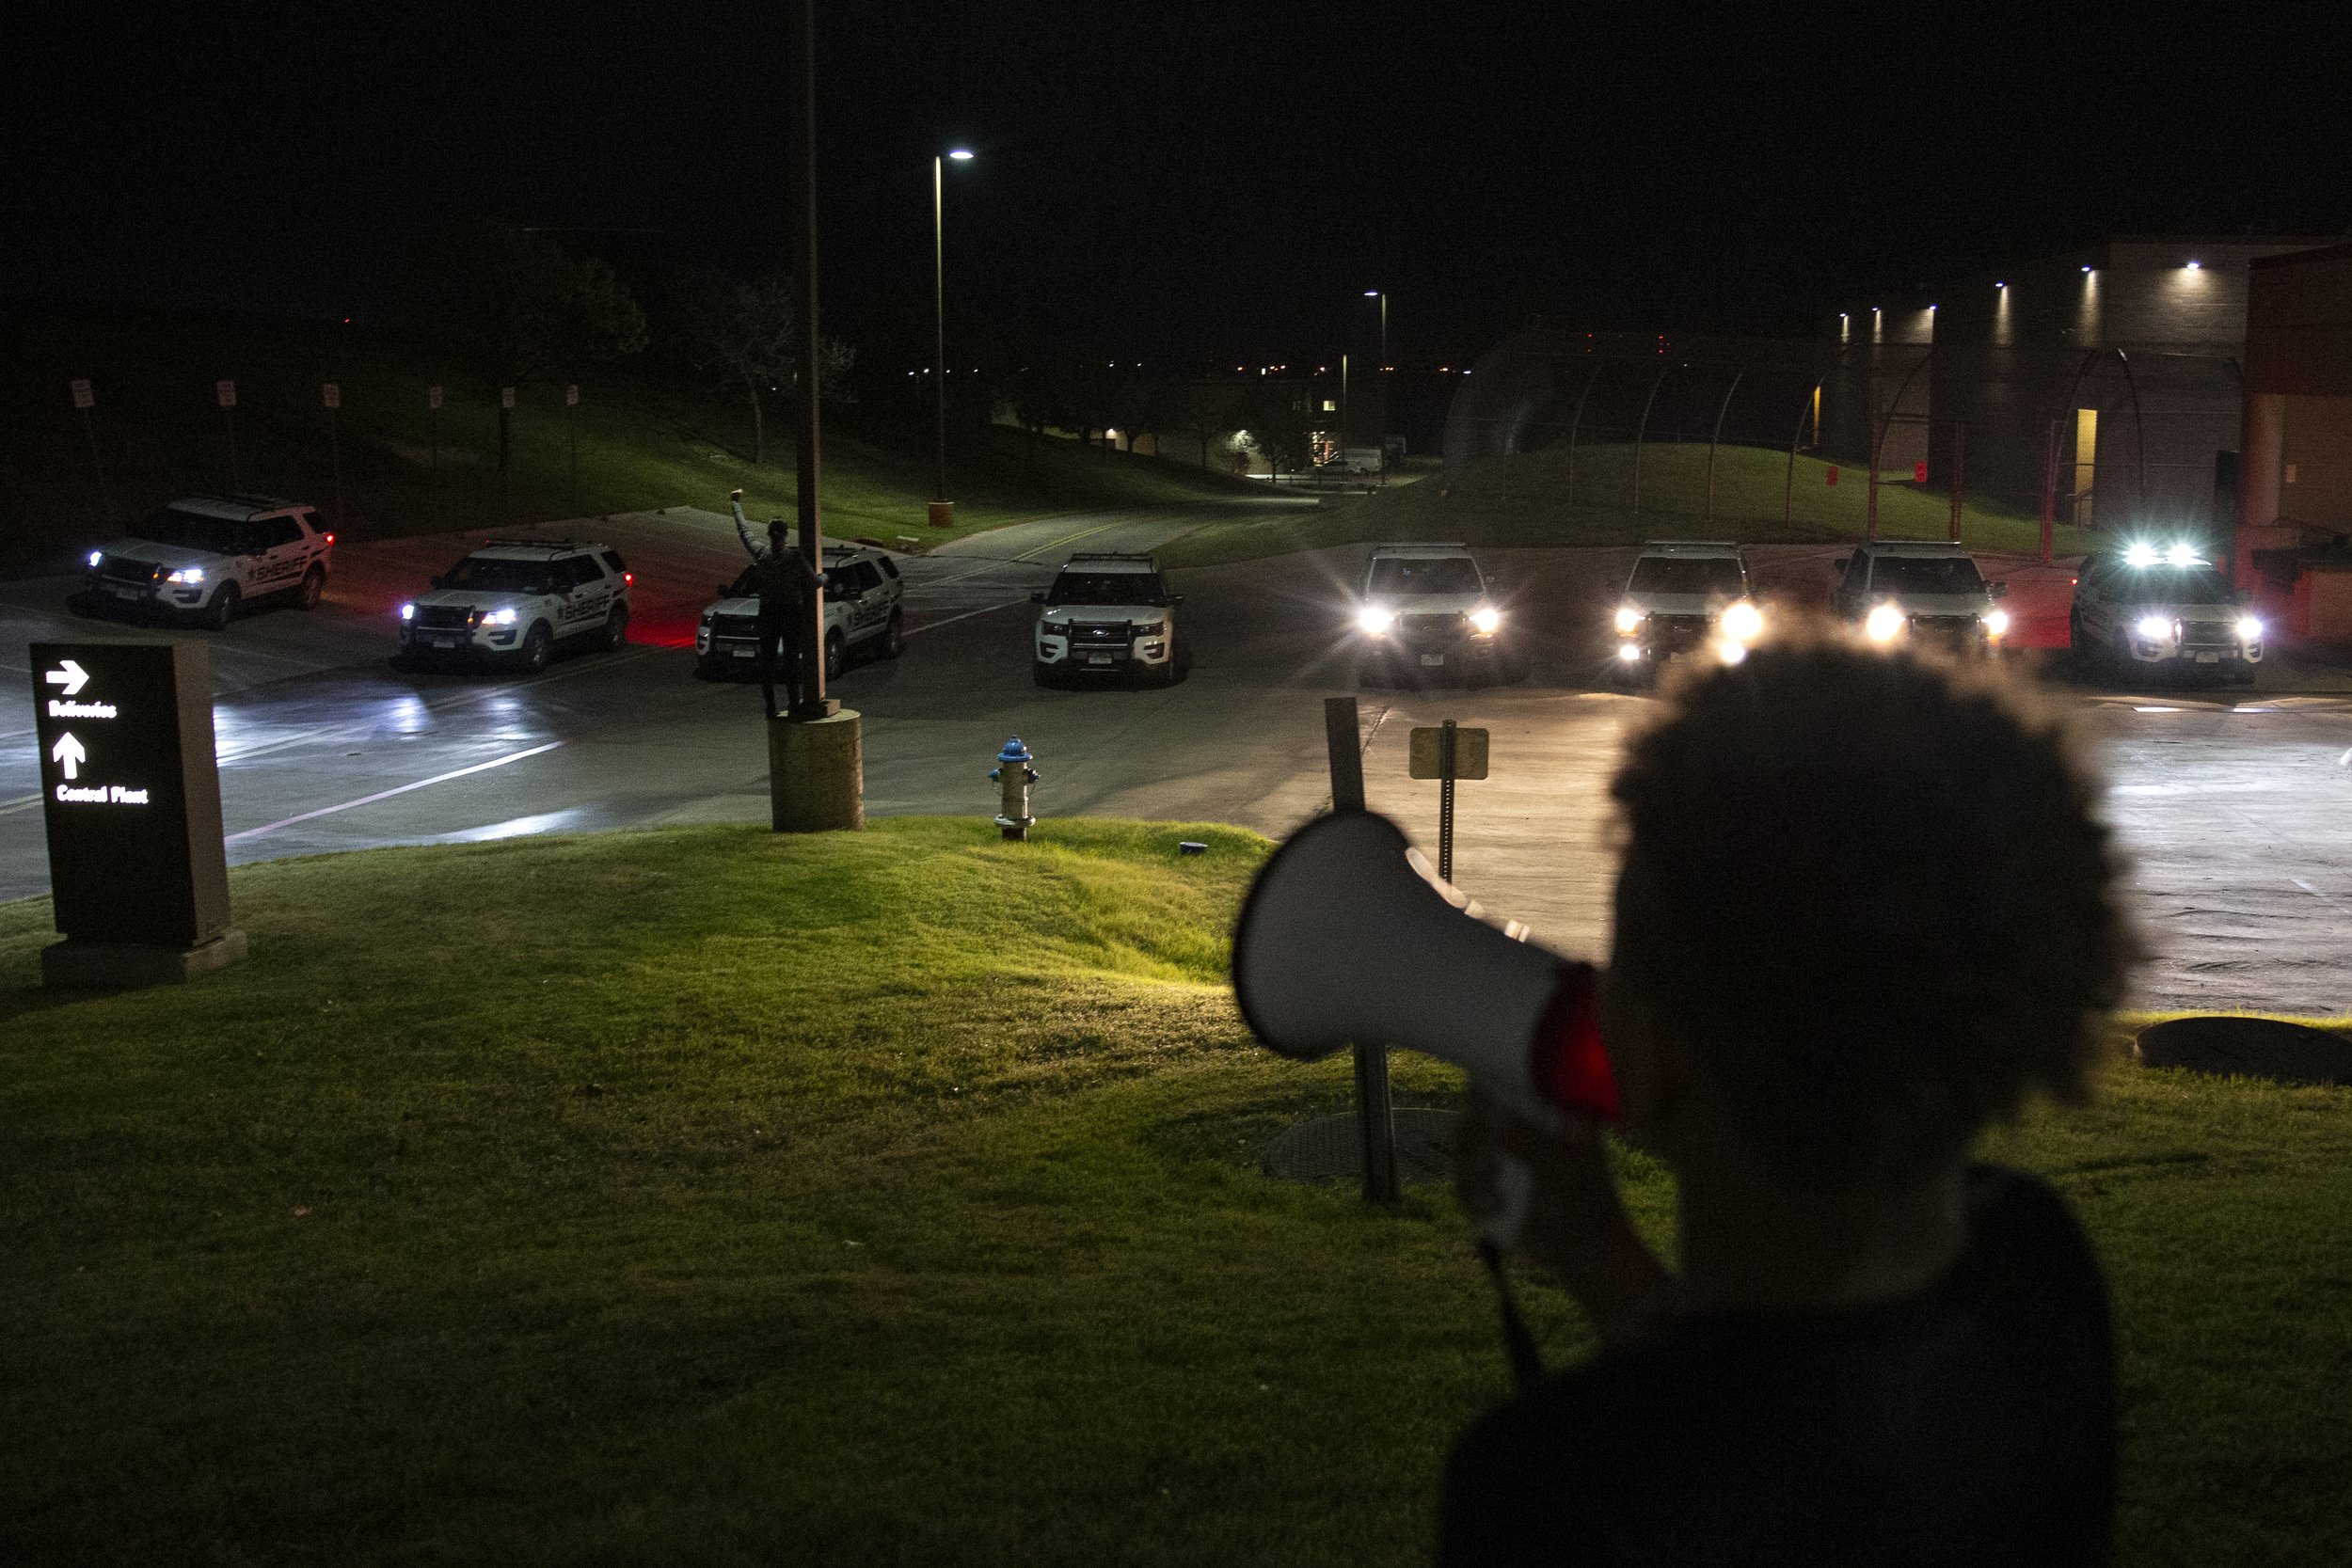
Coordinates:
[1959,458]
[1376,1121]
[809,702]
[1342,403]
[2049,486]
[939,337]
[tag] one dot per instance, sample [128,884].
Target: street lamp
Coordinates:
[940,515]
[1382,295]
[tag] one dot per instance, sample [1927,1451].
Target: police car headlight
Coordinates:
[498,618]
[1885,623]
[1156,629]
[1629,620]
[1053,632]
[95,556]
[2249,628]
[1486,620]
[187,574]
[407,612]
[2155,628]
[1743,623]
[1375,619]
[1629,652]
[1996,622]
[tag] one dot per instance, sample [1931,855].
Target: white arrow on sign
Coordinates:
[69,751]
[72,677]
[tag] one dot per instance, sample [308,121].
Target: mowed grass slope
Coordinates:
[711,1196]
[1522,501]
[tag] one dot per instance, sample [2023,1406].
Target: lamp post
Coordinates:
[1380,371]
[1382,295]
[942,512]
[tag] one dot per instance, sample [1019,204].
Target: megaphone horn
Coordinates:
[1346,939]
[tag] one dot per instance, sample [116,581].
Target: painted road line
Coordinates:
[388,794]
[934,625]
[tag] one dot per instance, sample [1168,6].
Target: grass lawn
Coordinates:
[710,1196]
[1520,502]
[646,438]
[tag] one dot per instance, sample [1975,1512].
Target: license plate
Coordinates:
[747,653]
[125,593]
[2208,658]
[1098,658]
[1433,660]
[445,641]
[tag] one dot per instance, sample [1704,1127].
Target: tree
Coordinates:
[1208,412]
[750,334]
[1275,414]
[513,308]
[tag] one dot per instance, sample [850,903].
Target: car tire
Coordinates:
[893,641]
[836,655]
[537,649]
[616,629]
[314,588]
[219,609]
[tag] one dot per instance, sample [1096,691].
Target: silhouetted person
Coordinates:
[787,598]
[1866,910]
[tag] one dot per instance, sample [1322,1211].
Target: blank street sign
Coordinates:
[81,397]
[227,392]
[433,397]
[332,392]
[1470,754]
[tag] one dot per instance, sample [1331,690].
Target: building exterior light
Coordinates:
[2000,285]
[960,154]
[2086,266]
[2192,266]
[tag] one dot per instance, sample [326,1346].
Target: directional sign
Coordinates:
[131,793]
[433,397]
[571,397]
[82,396]
[227,392]
[506,397]
[332,392]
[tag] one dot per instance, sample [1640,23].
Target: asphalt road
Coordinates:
[2232,803]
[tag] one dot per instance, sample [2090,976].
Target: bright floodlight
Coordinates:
[960,154]
[2140,555]
[2249,628]
[1996,623]
[1486,618]
[1731,652]
[1885,623]
[1374,619]
[1629,652]
[1629,620]
[2181,555]
[1742,621]
[2155,628]
[1372,293]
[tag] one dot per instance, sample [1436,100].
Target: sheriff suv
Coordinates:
[513,600]
[864,615]
[2169,611]
[1922,593]
[1427,608]
[1684,596]
[1106,615]
[205,556]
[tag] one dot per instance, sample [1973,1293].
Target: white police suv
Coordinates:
[513,600]
[1923,592]
[1427,609]
[1108,616]
[864,615]
[206,556]
[1684,596]
[2150,609]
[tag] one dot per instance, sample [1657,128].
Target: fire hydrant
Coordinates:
[1014,776]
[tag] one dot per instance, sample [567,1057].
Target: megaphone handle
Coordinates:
[1527,1359]
[1514,1184]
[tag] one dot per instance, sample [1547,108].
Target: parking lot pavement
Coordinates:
[2230,801]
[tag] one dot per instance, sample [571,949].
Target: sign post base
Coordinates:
[816,775]
[72,965]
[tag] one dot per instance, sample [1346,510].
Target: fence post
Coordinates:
[1959,458]
[1376,1130]
[1642,428]
[1871,529]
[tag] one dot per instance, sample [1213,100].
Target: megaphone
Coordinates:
[1348,938]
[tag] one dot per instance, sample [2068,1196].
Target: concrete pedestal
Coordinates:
[111,966]
[816,775]
[942,514]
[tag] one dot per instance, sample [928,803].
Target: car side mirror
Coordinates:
[2000,590]
[440,580]
[1038,597]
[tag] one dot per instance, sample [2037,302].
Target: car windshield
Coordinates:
[1912,574]
[192,531]
[490,573]
[1108,588]
[1440,574]
[1709,575]
[2175,585]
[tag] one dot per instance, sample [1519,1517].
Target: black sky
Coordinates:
[1196,181]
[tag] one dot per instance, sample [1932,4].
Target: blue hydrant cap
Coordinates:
[1014,752]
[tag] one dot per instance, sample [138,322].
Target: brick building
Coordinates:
[2295,479]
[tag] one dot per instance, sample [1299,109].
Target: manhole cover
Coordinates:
[1326,1149]
[2247,1047]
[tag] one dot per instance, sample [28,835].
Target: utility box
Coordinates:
[130,798]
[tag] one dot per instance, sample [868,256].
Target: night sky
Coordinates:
[1201,182]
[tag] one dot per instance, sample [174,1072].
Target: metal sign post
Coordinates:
[571,432]
[84,399]
[130,797]
[331,394]
[433,456]
[1375,1127]
[1446,753]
